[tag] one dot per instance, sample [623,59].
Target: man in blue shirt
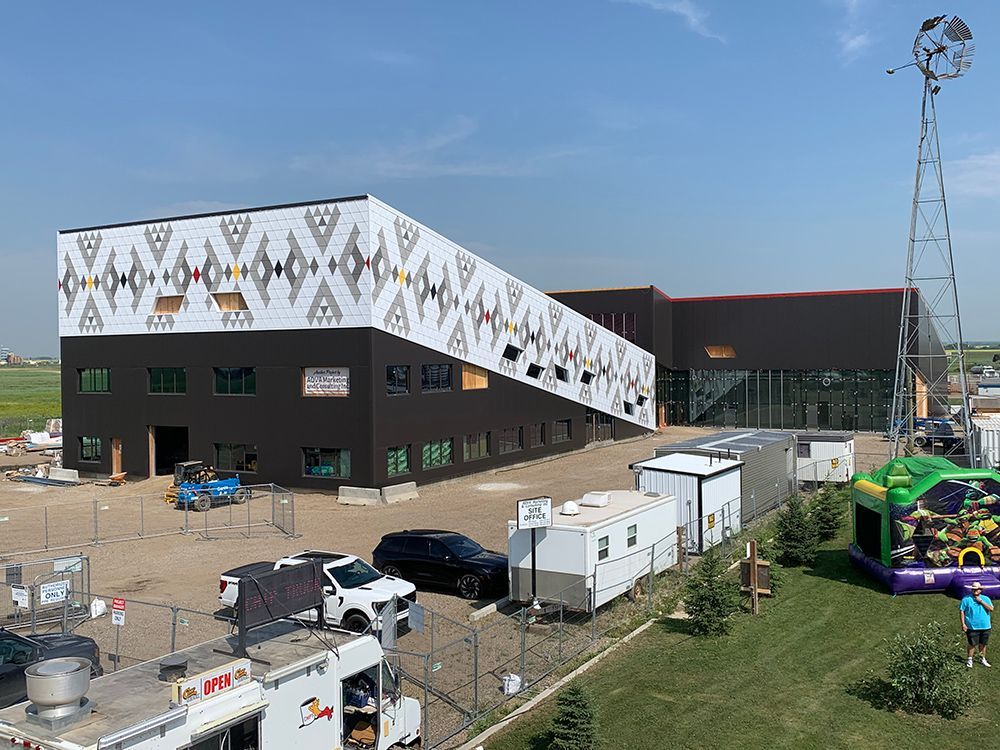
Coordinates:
[975,612]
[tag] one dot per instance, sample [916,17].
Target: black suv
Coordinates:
[18,652]
[442,558]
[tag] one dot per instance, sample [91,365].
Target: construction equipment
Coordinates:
[188,472]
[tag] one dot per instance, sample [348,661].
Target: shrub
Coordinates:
[574,727]
[924,676]
[710,596]
[828,512]
[796,539]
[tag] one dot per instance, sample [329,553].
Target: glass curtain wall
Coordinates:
[855,400]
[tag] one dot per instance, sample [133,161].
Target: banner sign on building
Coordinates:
[326,381]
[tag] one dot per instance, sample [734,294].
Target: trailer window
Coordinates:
[631,535]
[602,548]
[242,736]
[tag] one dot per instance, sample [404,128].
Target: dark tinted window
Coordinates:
[438,551]
[435,378]
[235,381]
[397,379]
[393,545]
[462,546]
[415,547]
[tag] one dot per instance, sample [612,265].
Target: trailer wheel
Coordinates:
[636,592]
[203,503]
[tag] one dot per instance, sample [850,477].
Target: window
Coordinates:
[417,546]
[640,400]
[235,381]
[562,431]
[90,449]
[230,301]
[720,351]
[435,378]
[562,374]
[168,305]
[477,445]
[235,457]
[437,453]
[391,545]
[586,377]
[803,450]
[629,407]
[631,535]
[397,460]
[16,651]
[326,462]
[475,378]
[511,439]
[511,352]
[536,435]
[535,371]
[621,323]
[602,548]
[94,380]
[167,380]
[397,379]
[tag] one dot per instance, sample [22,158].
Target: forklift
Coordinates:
[198,486]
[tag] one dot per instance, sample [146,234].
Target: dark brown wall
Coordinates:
[836,331]
[280,421]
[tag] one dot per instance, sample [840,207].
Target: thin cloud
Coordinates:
[431,156]
[975,176]
[695,17]
[854,40]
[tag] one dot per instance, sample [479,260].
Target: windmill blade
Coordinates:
[930,23]
[957,30]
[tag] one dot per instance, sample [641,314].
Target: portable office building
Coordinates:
[824,456]
[597,548]
[707,491]
[768,458]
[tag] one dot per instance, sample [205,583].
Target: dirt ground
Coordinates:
[183,570]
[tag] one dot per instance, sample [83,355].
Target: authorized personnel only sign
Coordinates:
[534,513]
[117,611]
[53,593]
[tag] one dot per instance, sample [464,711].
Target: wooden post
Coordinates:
[754,600]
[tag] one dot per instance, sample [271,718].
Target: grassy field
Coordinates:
[28,396]
[978,357]
[778,681]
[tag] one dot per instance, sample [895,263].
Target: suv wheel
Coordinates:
[392,570]
[356,623]
[470,586]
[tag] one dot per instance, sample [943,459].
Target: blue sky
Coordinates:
[703,146]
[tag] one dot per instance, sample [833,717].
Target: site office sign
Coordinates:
[212,683]
[534,513]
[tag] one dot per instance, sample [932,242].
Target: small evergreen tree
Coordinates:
[574,727]
[796,539]
[710,597]
[828,513]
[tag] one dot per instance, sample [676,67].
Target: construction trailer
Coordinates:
[824,456]
[299,690]
[986,428]
[597,548]
[768,458]
[707,489]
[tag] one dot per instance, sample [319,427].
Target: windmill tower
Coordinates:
[930,315]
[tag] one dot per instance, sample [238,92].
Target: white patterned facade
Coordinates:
[345,264]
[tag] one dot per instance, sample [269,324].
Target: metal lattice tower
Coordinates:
[930,316]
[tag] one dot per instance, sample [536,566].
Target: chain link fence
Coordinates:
[36,529]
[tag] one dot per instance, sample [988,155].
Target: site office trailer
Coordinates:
[824,456]
[611,542]
[707,491]
[300,699]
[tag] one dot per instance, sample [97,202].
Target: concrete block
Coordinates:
[64,475]
[397,493]
[359,496]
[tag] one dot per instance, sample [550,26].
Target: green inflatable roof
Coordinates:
[916,468]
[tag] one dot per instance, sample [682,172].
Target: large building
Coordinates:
[341,342]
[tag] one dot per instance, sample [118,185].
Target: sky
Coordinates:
[706,147]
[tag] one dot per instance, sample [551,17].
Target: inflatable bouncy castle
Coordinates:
[925,524]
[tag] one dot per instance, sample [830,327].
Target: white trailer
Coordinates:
[707,490]
[302,691]
[824,456]
[608,538]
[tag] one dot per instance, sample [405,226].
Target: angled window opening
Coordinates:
[230,301]
[629,407]
[720,351]
[512,353]
[586,377]
[169,305]
[562,374]
[535,371]
[640,400]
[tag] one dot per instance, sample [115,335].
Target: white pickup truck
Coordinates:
[354,593]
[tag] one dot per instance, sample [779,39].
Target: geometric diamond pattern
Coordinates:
[352,263]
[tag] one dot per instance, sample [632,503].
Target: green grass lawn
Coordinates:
[977,357]
[778,680]
[28,396]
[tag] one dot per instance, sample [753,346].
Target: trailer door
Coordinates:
[243,734]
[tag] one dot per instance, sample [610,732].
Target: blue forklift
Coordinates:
[198,487]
